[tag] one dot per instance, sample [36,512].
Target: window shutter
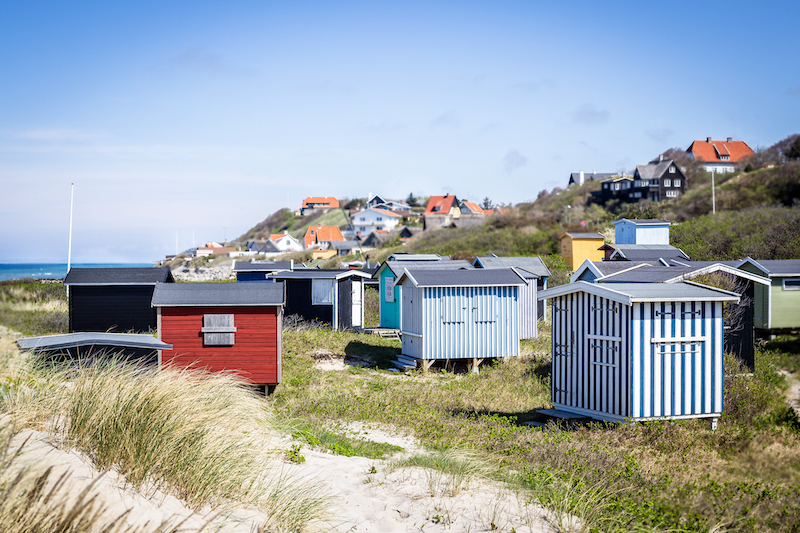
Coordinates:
[322,291]
[218,330]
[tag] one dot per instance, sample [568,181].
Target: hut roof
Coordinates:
[74,340]
[322,273]
[533,265]
[628,293]
[496,277]
[118,276]
[218,294]
[397,267]
[259,266]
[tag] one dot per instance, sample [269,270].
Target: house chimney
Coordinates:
[708,139]
[730,139]
[580,181]
[660,157]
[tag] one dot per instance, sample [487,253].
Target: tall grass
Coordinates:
[205,438]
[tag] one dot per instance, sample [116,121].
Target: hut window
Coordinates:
[791,284]
[453,304]
[218,330]
[322,291]
[483,307]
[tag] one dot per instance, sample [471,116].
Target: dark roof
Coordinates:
[575,177]
[479,277]
[397,266]
[648,252]
[610,267]
[344,245]
[646,274]
[654,169]
[780,266]
[118,276]
[321,273]
[73,340]
[260,266]
[584,235]
[532,265]
[642,221]
[218,294]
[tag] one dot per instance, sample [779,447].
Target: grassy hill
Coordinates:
[283,220]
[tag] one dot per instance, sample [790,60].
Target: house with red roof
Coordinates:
[315,203]
[470,208]
[719,156]
[321,236]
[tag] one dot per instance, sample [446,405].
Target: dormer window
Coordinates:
[724,157]
[672,169]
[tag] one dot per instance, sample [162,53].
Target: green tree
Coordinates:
[487,203]
[411,200]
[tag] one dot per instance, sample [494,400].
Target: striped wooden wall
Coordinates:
[648,360]
[460,322]
[255,354]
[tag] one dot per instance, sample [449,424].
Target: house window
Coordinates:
[672,170]
[605,185]
[724,157]
[380,218]
[637,183]
[362,219]
[218,330]
[677,183]
[791,284]
[672,193]
[655,181]
[616,186]
[322,291]
[667,183]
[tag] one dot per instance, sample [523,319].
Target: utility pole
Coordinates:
[713,194]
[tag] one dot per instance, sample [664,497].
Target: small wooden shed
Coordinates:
[113,299]
[638,351]
[223,326]
[334,297]
[460,314]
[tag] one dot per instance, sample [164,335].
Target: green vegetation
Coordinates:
[34,308]
[651,476]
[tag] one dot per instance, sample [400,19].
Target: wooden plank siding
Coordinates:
[111,308]
[642,361]
[254,354]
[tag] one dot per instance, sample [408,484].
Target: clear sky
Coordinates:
[202,118]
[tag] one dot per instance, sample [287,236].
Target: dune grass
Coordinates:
[205,438]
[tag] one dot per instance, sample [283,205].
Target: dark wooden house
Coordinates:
[113,299]
[223,326]
[334,297]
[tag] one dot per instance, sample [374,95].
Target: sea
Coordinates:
[53,270]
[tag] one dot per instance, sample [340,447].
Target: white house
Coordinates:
[374,219]
[285,242]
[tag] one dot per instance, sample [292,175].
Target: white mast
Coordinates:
[69,248]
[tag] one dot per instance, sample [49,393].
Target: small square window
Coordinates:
[791,284]
[672,170]
[218,330]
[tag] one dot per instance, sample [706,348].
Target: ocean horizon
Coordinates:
[53,270]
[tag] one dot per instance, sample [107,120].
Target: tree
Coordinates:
[411,200]
[487,203]
[793,152]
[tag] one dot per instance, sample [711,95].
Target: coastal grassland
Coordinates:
[33,308]
[207,439]
[655,476]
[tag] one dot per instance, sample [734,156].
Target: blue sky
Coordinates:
[202,118]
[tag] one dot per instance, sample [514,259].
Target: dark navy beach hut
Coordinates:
[113,299]
[259,270]
[638,351]
[334,297]
[453,315]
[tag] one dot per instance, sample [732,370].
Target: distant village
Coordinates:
[634,335]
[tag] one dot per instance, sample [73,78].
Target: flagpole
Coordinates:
[69,248]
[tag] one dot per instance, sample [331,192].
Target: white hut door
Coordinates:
[358,308]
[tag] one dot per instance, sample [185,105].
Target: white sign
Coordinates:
[389,296]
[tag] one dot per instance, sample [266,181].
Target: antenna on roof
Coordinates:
[69,247]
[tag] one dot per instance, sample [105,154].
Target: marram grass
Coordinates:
[206,438]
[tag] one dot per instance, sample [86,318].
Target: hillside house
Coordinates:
[374,219]
[458,315]
[719,156]
[661,179]
[113,299]
[223,327]
[638,351]
[318,203]
[321,237]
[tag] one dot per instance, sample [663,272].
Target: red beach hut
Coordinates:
[223,326]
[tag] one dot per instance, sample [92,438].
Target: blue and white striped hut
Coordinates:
[450,315]
[638,351]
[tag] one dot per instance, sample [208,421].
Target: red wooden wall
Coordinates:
[255,355]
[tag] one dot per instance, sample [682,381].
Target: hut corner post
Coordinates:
[714,423]
[474,364]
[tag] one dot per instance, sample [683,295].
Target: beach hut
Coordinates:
[388,273]
[450,315]
[113,299]
[333,297]
[92,346]
[638,351]
[535,273]
[222,326]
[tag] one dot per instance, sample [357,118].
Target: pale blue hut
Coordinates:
[450,315]
[638,351]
